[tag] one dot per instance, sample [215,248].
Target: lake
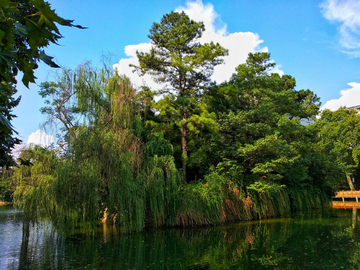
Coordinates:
[323,239]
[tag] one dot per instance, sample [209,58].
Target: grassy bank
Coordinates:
[199,207]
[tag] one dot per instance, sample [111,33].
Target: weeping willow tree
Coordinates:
[33,179]
[100,176]
[106,173]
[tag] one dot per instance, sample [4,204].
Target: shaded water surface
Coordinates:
[320,240]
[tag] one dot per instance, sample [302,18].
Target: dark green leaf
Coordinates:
[48,60]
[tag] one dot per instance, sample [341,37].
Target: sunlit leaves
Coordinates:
[340,136]
[27,27]
[179,60]
[259,116]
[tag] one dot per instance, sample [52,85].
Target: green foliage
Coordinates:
[241,147]
[203,204]
[339,133]
[162,182]
[262,187]
[307,199]
[27,27]
[6,190]
[33,183]
[7,132]
[262,140]
[178,58]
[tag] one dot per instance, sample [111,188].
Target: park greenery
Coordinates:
[192,153]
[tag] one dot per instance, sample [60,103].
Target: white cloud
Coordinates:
[239,45]
[17,150]
[41,138]
[345,12]
[197,11]
[349,97]
[123,67]
[277,69]
[38,137]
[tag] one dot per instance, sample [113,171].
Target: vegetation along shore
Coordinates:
[193,153]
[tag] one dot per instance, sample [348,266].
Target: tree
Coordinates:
[7,138]
[32,178]
[339,132]
[26,27]
[259,115]
[179,60]
[97,112]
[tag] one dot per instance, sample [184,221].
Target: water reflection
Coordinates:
[327,240]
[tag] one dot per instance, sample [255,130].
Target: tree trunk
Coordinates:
[184,150]
[348,178]
[354,217]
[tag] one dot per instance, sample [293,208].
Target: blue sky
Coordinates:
[317,42]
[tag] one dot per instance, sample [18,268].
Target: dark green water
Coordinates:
[320,240]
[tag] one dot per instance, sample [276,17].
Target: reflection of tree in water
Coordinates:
[39,249]
[321,244]
[300,243]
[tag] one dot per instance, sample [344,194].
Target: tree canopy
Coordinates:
[178,58]
[340,137]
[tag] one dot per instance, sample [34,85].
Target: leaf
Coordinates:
[16,17]
[4,121]
[51,16]
[28,77]
[69,23]
[28,69]
[48,60]
[21,30]
[48,13]
[8,56]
